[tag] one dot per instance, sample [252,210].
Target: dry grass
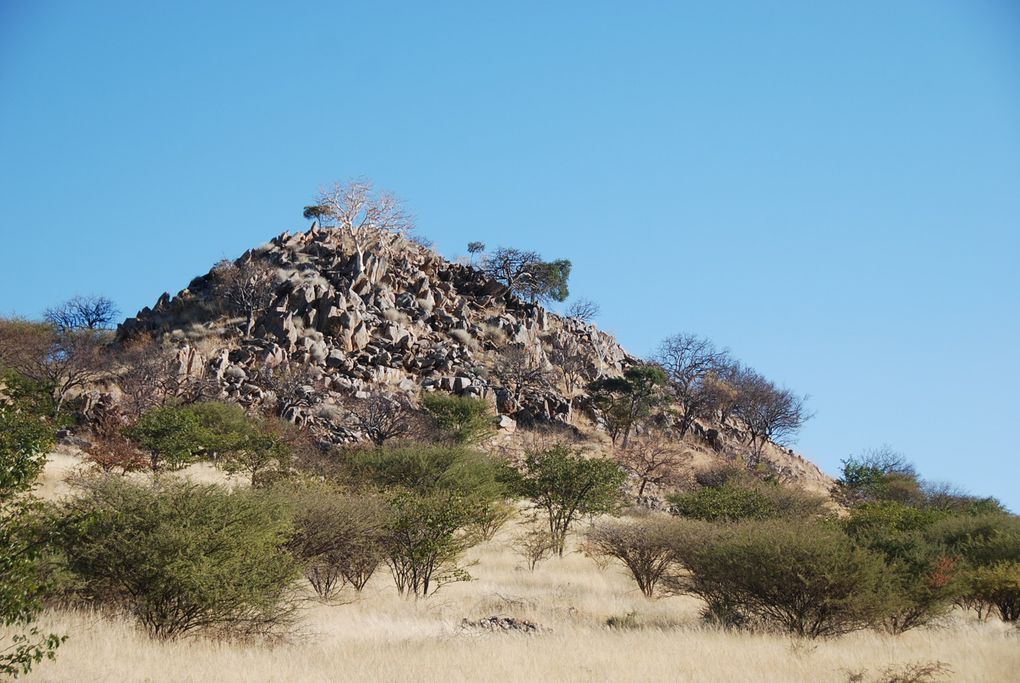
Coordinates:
[379,636]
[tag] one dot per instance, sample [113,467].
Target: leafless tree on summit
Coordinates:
[356,209]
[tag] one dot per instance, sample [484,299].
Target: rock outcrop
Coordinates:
[397,321]
[407,321]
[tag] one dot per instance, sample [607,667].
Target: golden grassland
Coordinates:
[379,636]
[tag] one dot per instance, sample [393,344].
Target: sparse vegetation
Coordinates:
[343,472]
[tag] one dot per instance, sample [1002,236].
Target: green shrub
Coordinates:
[181,558]
[997,585]
[441,499]
[807,579]
[243,443]
[427,468]
[736,500]
[990,548]
[923,573]
[427,535]
[173,436]
[565,486]
[24,440]
[461,419]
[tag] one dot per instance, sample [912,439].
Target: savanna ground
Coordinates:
[379,636]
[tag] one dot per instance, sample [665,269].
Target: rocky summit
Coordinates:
[387,316]
[397,318]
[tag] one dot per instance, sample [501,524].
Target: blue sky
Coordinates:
[832,190]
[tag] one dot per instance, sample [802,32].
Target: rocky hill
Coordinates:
[389,317]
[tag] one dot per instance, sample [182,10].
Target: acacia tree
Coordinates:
[357,209]
[689,361]
[565,486]
[83,312]
[526,274]
[172,436]
[248,287]
[547,281]
[647,548]
[475,248]
[768,412]
[625,401]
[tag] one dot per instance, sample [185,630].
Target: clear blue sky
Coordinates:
[831,189]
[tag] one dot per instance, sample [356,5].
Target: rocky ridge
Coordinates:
[389,317]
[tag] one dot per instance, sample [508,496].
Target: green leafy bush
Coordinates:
[427,468]
[179,557]
[738,500]
[923,574]
[24,440]
[461,419]
[427,535]
[807,579]
[243,443]
[173,436]
[565,486]
[990,548]
[441,498]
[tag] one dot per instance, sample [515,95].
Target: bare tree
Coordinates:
[584,310]
[382,417]
[292,387]
[518,370]
[769,413]
[689,361]
[534,545]
[722,387]
[108,449]
[83,312]
[62,360]
[152,375]
[647,547]
[654,459]
[356,209]
[248,288]
[573,369]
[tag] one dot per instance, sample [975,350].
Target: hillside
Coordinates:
[334,321]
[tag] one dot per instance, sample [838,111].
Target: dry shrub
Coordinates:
[647,547]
